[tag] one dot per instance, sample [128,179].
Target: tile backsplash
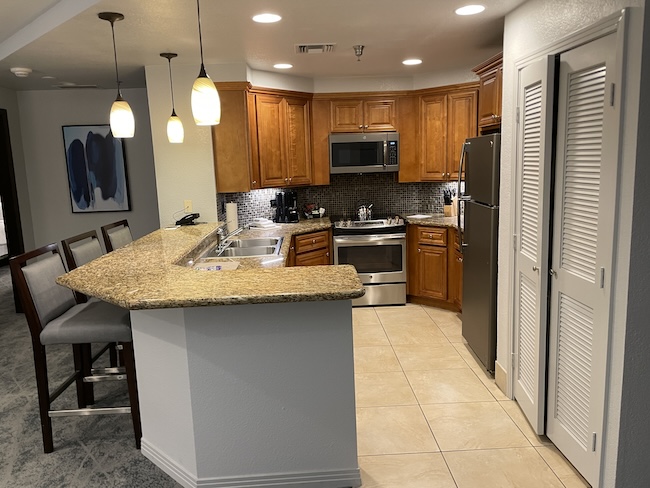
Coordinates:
[342,196]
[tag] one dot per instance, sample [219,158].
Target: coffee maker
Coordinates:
[286,207]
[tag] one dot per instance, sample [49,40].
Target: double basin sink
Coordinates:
[246,248]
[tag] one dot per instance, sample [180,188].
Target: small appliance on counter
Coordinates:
[313,211]
[286,207]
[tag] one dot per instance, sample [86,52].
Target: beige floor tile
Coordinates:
[365,316]
[393,430]
[415,334]
[375,359]
[512,409]
[406,315]
[448,386]
[405,470]
[441,315]
[383,389]
[468,355]
[488,381]
[453,332]
[433,356]
[484,425]
[369,335]
[561,467]
[501,468]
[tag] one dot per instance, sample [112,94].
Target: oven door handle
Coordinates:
[367,239]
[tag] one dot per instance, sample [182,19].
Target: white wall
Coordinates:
[42,114]
[536,24]
[9,101]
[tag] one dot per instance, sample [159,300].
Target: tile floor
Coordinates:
[428,416]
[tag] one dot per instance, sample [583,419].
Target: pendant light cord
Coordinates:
[171,84]
[198,11]
[117,75]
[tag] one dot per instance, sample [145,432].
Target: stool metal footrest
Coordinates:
[118,370]
[89,411]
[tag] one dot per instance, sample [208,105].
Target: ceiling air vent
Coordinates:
[315,48]
[64,86]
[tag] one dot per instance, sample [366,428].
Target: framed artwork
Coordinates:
[96,169]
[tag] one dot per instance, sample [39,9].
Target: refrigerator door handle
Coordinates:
[461,198]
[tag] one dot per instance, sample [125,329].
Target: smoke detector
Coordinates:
[325,47]
[21,72]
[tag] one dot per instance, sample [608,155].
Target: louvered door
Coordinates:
[581,264]
[535,102]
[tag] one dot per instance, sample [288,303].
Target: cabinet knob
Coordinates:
[290,178]
[286,180]
[327,254]
[419,250]
[448,175]
[313,241]
[430,236]
[254,182]
[291,248]
[361,127]
[460,260]
[366,126]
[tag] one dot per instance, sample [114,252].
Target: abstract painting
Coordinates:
[96,169]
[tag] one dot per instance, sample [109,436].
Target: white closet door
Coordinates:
[581,266]
[534,150]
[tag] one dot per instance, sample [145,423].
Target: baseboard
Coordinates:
[431,302]
[349,478]
[501,377]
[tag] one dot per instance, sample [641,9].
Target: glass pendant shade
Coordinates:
[122,120]
[175,131]
[206,105]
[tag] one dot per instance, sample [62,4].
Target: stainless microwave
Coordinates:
[375,152]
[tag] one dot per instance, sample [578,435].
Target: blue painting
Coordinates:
[96,169]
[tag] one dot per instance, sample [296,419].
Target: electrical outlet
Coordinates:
[187,206]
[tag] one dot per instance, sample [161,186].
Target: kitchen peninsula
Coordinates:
[256,393]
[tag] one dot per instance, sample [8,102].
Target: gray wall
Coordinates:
[42,114]
[9,102]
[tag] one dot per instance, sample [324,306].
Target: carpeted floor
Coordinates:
[88,451]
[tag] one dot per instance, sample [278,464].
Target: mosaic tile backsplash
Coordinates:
[342,196]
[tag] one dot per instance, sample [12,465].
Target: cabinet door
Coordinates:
[314,258]
[379,115]
[489,105]
[433,137]
[298,141]
[433,271]
[312,241]
[456,278]
[346,116]
[461,124]
[271,140]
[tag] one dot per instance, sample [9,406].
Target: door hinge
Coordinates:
[514,241]
[612,93]
[517,115]
[602,277]
[513,357]
[593,442]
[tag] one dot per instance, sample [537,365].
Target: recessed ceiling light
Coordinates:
[283,66]
[470,10]
[267,18]
[412,62]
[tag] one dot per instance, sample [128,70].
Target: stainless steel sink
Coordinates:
[246,248]
[265,242]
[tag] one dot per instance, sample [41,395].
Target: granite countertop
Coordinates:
[435,220]
[155,272]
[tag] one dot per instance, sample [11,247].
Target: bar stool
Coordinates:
[116,235]
[54,317]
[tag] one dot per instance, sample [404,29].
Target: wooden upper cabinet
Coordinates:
[433,137]
[231,142]
[461,124]
[489,106]
[271,140]
[283,139]
[298,140]
[355,115]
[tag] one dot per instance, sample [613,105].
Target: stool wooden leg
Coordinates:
[112,352]
[129,364]
[87,364]
[78,355]
[40,365]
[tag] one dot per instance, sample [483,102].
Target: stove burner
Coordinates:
[375,226]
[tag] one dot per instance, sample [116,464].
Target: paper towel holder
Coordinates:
[188,219]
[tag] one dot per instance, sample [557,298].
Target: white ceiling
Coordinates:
[76,46]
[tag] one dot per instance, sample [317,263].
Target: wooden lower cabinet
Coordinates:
[312,249]
[434,266]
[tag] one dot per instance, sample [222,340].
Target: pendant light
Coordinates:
[175,132]
[122,121]
[206,106]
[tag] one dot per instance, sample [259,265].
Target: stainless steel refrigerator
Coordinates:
[480,199]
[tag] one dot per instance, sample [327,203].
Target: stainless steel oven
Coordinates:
[378,252]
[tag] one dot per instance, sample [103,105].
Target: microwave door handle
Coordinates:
[463,151]
[385,153]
